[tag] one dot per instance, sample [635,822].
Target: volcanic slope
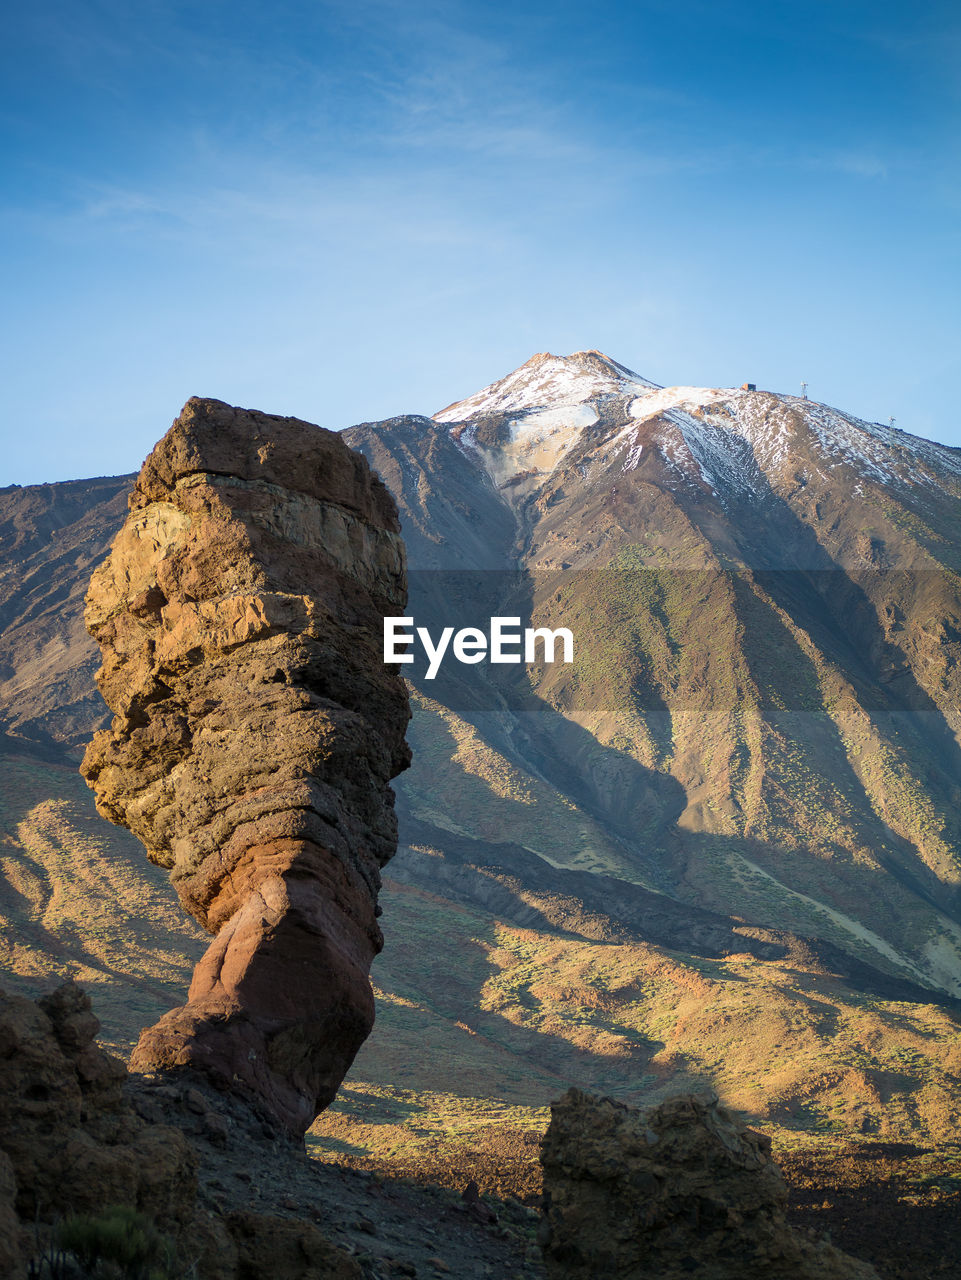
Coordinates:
[762,715]
[51,538]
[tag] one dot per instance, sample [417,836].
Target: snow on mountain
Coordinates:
[534,443]
[750,433]
[552,381]
[885,454]
[736,442]
[658,401]
[554,398]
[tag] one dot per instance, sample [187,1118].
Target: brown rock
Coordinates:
[12,1236]
[682,1190]
[256,730]
[286,1250]
[475,1205]
[74,1144]
[71,1142]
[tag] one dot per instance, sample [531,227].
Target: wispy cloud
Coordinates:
[858,164]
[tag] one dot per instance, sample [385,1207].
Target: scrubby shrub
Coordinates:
[121,1242]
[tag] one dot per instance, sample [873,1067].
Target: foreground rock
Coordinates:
[224,1192]
[68,1134]
[76,1139]
[255,733]
[683,1190]
[69,1141]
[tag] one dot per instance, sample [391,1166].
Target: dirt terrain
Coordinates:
[895,1205]
[390,1222]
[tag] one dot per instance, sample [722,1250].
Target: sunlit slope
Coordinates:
[472,1009]
[79,900]
[797,778]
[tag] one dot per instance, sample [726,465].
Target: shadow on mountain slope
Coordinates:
[831,604]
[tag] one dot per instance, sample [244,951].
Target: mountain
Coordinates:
[51,538]
[762,716]
[721,846]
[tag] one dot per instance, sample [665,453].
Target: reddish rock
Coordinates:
[255,733]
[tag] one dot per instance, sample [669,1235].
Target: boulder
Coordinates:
[75,1147]
[73,1142]
[284,1249]
[683,1190]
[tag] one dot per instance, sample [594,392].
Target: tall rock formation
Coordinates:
[255,733]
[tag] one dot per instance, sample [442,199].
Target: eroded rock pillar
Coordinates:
[255,733]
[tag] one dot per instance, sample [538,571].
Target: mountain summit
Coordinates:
[547,380]
[522,426]
[743,446]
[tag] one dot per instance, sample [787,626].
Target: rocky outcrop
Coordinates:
[69,1142]
[13,1243]
[682,1190]
[255,733]
[79,1140]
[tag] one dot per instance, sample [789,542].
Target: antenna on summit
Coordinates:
[804,390]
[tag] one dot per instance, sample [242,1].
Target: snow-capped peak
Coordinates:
[550,382]
[736,441]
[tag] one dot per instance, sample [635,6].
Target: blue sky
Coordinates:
[347,211]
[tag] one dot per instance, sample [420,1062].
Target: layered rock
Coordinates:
[255,733]
[681,1190]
